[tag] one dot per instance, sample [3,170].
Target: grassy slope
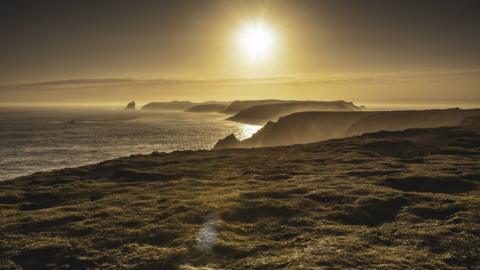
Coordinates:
[389,200]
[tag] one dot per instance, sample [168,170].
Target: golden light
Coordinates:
[246,131]
[257,41]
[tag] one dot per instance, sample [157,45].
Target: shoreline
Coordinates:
[34,141]
[253,136]
[253,208]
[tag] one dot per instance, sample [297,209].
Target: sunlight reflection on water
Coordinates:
[246,131]
[37,139]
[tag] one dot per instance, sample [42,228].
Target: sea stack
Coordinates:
[130,106]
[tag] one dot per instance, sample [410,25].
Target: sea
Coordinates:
[34,139]
[42,139]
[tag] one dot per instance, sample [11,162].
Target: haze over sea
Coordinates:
[39,139]
[36,139]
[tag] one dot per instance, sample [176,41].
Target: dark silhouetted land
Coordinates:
[307,127]
[261,114]
[168,105]
[253,111]
[130,106]
[239,105]
[231,107]
[207,108]
[388,200]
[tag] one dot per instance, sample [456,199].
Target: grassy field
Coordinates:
[387,200]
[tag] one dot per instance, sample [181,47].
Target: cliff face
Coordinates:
[260,114]
[306,127]
[399,120]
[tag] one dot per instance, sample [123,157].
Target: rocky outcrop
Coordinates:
[130,106]
[228,142]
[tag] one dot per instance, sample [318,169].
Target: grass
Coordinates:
[389,200]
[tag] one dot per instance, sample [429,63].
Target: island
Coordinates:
[168,105]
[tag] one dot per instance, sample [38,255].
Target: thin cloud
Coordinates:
[85,82]
[367,79]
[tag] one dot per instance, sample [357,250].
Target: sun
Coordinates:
[256,40]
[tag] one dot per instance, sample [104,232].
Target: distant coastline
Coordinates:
[86,154]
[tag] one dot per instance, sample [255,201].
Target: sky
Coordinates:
[113,51]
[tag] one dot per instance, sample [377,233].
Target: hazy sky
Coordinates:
[114,51]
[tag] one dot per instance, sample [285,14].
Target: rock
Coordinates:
[130,106]
[228,142]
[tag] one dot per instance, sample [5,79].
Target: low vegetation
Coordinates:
[387,200]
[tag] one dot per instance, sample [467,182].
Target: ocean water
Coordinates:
[40,139]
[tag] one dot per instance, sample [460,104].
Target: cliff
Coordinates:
[239,105]
[260,114]
[306,127]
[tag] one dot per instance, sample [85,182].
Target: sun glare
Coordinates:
[256,40]
[246,131]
